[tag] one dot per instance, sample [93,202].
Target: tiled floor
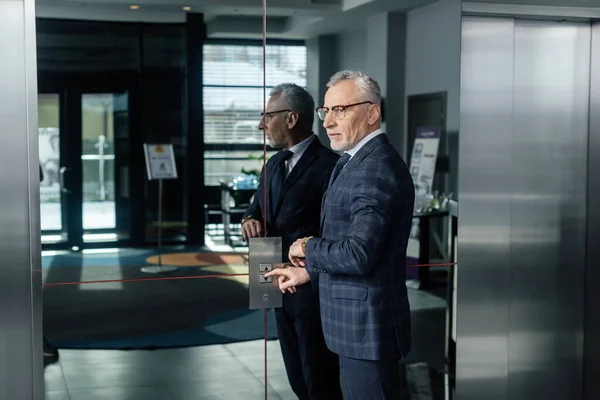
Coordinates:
[233,371]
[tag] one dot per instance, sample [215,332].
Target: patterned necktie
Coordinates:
[338,167]
[278,177]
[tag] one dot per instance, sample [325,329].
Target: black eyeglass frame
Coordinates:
[270,113]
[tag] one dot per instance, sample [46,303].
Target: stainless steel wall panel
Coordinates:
[21,363]
[484,208]
[548,209]
[592,293]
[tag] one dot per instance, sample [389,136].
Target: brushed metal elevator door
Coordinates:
[548,209]
[522,195]
[485,184]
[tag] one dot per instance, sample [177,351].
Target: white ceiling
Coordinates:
[291,19]
[234,18]
[550,3]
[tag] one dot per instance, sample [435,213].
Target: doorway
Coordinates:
[84,152]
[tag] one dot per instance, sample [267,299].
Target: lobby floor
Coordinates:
[232,371]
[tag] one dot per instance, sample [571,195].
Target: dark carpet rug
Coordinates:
[149,314]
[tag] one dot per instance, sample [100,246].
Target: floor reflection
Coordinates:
[422,382]
[232,371]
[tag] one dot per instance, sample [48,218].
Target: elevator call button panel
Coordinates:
[264,255]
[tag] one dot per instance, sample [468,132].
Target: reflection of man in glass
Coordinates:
[297,177]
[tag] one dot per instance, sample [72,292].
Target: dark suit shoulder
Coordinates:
[327,153]
[270,159]
[328,159]
[387,150]
[324,153]
[385,155]
[383,160]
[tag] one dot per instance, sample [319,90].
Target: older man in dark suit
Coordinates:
[297,176]
[360,255]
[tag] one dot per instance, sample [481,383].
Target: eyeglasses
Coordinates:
[271,113]
[339,112]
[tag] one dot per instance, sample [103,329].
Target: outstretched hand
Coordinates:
[290,278]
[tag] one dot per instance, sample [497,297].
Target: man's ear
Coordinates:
[374,114]
[292,119]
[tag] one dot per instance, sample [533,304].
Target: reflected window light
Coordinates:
[101,251]
[109,272]
[99,237]
[51,238]
[51,253]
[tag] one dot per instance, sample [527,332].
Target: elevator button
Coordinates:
[262,279]
[265,267]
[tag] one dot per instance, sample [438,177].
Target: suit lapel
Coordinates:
[307,158]
[322,213]
[355,160]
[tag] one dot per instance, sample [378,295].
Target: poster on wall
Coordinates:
[422,169]
[160,161]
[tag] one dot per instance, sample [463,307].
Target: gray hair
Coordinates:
[297,99]
[367,85]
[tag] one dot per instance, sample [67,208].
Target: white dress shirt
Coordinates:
[298,150]
[363,141]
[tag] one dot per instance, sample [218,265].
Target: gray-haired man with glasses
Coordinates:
[360,255]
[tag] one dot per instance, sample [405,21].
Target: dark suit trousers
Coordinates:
[312,369]
[372,380]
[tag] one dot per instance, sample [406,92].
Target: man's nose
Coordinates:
[329,120]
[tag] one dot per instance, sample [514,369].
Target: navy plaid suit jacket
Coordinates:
[298,213]
[361,255]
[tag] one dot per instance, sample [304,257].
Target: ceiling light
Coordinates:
[134,7]
[186,8]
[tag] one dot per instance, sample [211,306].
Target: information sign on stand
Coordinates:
[160,165]
[160,161]
[422,170]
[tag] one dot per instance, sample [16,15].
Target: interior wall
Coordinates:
[386,53]
[433,65]
[321,63]
[352,50]
[433,54]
